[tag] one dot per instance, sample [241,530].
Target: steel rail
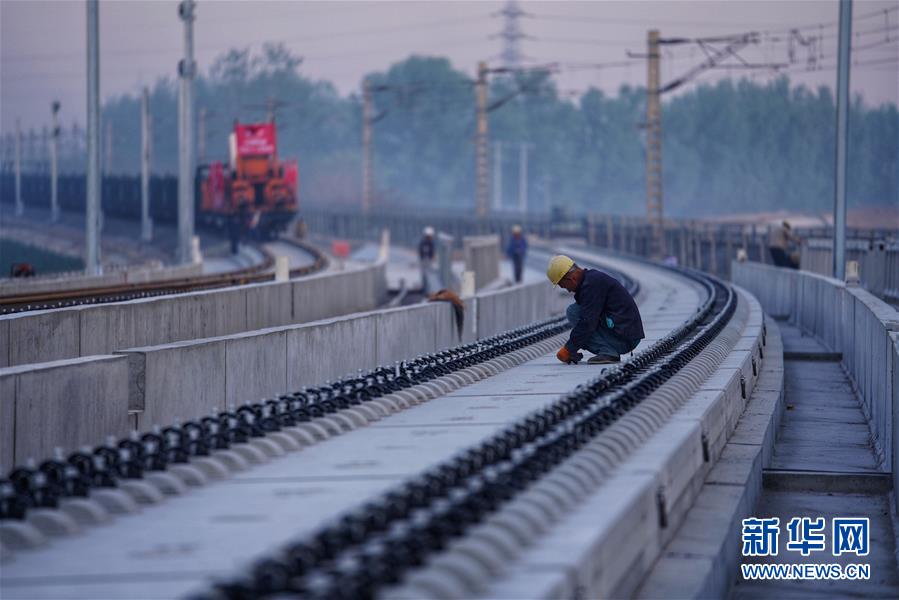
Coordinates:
[28,487]
[33,487]
[130,291]
[378,543]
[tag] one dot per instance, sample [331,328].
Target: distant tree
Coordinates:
[731,146]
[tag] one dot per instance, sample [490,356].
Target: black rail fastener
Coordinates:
[426,512]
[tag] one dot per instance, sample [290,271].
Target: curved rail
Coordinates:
[377,544]
[131,291]
[27,488]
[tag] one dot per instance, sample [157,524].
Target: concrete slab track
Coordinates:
[173,547]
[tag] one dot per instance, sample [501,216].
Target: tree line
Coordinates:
[732,146]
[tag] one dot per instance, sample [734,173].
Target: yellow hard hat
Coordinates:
[558,266]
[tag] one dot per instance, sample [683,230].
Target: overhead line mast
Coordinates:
[654,211]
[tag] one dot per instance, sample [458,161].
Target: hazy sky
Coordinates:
[42,44]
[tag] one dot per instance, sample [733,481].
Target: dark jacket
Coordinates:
[426,248]
[517,247]
[604,303]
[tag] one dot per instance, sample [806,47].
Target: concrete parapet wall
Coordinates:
[65,404]
[44,336]
[482,256]
[145,274]
[182,380]
[326,350]
[339,293]
[878,262]
[511,307]
[187,379]
[100,329]
[407,332]
[894,369]
[848,320]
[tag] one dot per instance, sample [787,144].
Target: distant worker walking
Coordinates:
[780,240]
[605,319]
[237,227]
[516,250]
[426,252]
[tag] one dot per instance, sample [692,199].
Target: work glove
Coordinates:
[567,357]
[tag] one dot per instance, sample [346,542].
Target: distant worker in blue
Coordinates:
[605,319]
[426,247]
[516,250]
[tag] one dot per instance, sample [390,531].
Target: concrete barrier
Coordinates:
[326,350]
[185,380]
[4,344]
[177,381]
[878,262]
[894,369]
[848,320]
[78,281]
[512,307]
[482,256]
[407,332]
[65,403]
[339,293]
[43,336]
[182,380]
[188,379]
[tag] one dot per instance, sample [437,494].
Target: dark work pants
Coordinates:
[518,267]
[604,340]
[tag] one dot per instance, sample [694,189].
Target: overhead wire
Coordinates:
[645,22]
[300,39]
[773,35]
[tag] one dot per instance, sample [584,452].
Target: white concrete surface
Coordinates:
[175,546]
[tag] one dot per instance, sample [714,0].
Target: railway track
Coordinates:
[378,543]
[132,291]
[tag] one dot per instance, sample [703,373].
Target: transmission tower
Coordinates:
[511,34]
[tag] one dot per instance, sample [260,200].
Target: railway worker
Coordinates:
[780,238]
[234,227]
[605,319]
[516,250]
[237,226]
[426,246]
[426,251]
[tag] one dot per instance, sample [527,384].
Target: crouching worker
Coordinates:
[604,317]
